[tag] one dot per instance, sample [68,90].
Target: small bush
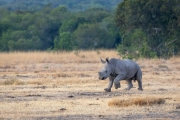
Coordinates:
[13,82]
[136,101]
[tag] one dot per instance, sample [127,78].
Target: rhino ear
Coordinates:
[107,60]
[103,61]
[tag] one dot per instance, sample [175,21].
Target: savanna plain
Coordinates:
[65,85]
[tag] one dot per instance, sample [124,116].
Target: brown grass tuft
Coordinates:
[13,82]
[136,101]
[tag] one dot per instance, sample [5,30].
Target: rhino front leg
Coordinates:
[117,80]
[111,79]
[130,85]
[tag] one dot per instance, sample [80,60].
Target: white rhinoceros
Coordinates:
[118,70]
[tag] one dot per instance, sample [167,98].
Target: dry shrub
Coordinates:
[71,74]
[176,60]
[136,101]
[156,73]
[39,82]
[162,68]
[13,82]
[62,74]
[83,75]
[34,83]
[178,68]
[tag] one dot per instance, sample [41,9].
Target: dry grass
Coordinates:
[12,82]
[38,85]
[139,101]
[13,58]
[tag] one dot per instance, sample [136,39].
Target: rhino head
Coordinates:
[106,70]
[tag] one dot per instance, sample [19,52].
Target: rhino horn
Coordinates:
[107,60]
[103,61]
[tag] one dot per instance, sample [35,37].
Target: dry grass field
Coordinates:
[65,86]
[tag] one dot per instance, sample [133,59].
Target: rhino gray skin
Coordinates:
[118,70]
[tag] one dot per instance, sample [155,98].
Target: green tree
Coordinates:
[64,42]
[158,20]
[95,15]
[72,24]
[91,36]
[109,25]
[25,44]
[135,46]
[4,39]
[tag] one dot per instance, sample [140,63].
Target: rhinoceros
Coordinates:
[118,70]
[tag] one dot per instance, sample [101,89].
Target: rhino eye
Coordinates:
[106,71]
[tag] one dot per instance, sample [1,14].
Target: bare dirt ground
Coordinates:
[65,86]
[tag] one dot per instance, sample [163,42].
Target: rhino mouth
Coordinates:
[103,78]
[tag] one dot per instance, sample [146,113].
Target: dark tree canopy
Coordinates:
[152,25]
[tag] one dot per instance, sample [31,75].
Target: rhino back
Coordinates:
[126,67]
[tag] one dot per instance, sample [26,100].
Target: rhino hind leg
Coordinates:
[139,79]
[107,90]
[140,85]
[117,85]
[130,85]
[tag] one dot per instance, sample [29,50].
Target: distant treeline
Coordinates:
[73,5]
[57,29]
[137,28]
